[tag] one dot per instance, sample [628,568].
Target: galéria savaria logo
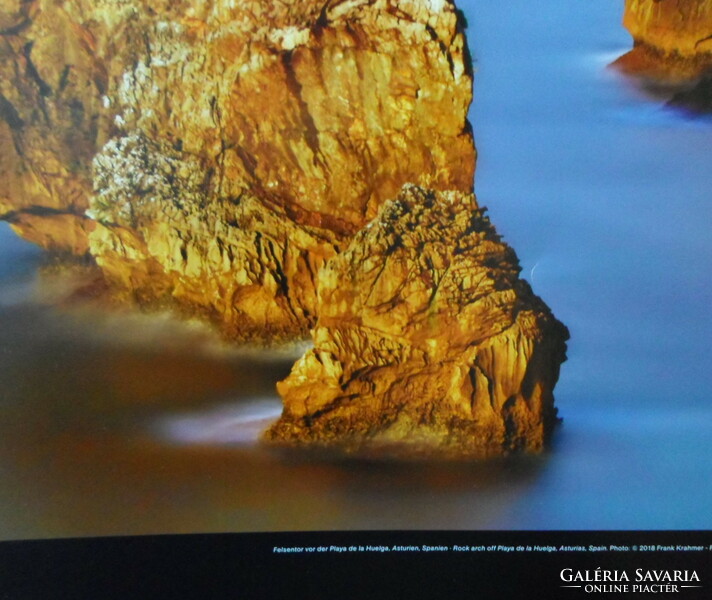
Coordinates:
[626,581]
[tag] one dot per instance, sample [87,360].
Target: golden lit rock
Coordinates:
[50,102]
[673,38]
[246,162]
[426,340]
[302,115]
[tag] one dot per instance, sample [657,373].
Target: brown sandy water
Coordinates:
[126,423]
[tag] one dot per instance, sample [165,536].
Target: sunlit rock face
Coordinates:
[427,340]
[50,102]
[673,38]
[280,166]
[225,150]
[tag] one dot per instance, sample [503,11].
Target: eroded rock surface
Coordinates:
[426,340]
[225,149]
[673,38]
[50,103]
[245,161]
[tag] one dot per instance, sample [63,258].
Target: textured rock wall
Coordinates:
[245,161]
[427,340]
[682,27]
[50,102]
[223,115]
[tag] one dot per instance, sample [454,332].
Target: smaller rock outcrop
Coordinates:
[426,339]
[673,39]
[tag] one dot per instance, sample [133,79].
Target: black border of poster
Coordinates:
[374,564]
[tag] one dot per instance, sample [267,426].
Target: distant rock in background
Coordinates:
[672,50]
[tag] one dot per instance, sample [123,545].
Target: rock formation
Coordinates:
[245,161]
[673,38]
[263,134]
[50,99]
[427,340]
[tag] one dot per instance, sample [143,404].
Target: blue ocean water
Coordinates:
[126,424]
[605,195]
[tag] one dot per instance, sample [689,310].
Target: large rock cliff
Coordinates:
[51,86]
[226,149]
[246,161]
[427,340]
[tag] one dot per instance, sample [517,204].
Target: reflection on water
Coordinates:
[238,423]
[128,424]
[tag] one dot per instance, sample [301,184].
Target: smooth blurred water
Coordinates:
[132,424]
[605,195]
